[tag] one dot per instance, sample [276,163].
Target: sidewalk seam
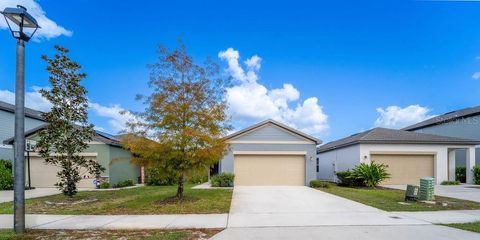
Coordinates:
[36,226]
[115,220]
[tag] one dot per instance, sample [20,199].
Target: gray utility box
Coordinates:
[411,194]
[427,188]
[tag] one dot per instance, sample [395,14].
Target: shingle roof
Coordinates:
[28,111]
[447,117]
[99,136]
[281,125]
[393,136]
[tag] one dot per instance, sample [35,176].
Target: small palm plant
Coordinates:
[372,174]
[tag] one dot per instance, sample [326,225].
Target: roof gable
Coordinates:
[271,130]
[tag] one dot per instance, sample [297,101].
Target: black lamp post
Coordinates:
[20,20]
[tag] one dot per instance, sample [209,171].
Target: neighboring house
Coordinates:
[104,148]
[409,155]
[270,153]
[464,123]
[7,118]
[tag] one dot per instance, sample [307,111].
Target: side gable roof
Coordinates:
[28,111]
[99,136]
[276,123]
[447,117]
[393,136]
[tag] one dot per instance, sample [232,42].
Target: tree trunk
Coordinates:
[180,188]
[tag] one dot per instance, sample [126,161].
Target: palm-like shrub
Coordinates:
[371,174]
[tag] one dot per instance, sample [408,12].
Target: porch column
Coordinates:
[470,163]
[451,165]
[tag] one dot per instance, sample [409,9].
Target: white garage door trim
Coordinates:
[278,176]
[87,154]
[269,153]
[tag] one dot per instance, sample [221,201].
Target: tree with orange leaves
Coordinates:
[181,128]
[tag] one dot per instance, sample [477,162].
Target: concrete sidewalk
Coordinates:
[443,217]
[7,196]
[399,232]
[81,222]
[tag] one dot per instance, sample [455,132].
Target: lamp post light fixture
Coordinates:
[18,20]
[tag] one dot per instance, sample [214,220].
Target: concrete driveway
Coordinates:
[7,196]
[282,206]
[464,191]
[305,213]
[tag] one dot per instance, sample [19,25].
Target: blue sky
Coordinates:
[411,59]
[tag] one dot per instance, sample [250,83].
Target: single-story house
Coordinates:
[409,155]
[33,119]
[270,153]
[463,123]
[105,149]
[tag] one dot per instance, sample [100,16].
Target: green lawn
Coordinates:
[142,200]
[388,199]
[110,234]
[474,226]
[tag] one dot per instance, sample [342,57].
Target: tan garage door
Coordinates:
[268,170]
[406,169]
[45,175]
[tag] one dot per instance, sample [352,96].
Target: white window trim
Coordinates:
[269,153]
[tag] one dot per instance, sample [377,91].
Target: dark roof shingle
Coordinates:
[28,111]
[99,136]
[389,136]
[447,117]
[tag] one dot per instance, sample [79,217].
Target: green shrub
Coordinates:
[104,185]
[198,178]
[158,177]
[7,164]
[372,174]
[222,180]
[476,174]
[319,184]
[347,180]
[126,183]
[6,178]
[461,174]
[450,183]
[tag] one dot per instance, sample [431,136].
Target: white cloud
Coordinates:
[112,114]
[476,75]
[251,102]
[49,29]
[33,99]
[397,117]
[116,119]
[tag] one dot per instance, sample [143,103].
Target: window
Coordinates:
[317,166]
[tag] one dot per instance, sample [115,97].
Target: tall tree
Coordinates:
[181,129]
[67,132]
